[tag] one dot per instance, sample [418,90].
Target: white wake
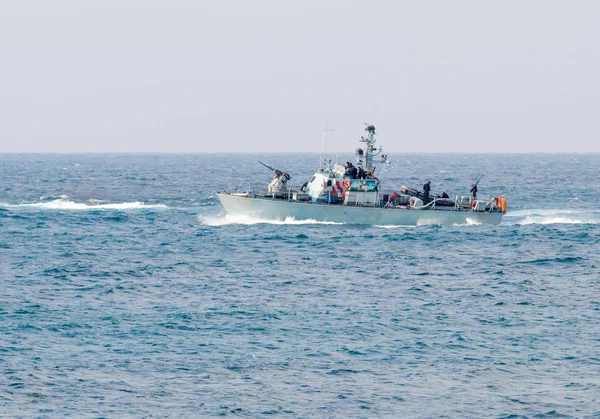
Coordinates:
[392,226]
[231,219]
[552,216]
[65,204]
[468,222]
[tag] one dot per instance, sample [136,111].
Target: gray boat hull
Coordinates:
[279,209]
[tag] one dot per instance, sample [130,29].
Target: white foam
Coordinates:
[63,204]
[468,222]
[553,220]
[552,216]
[389,226]
[230,219]
[542,212]
[429,222]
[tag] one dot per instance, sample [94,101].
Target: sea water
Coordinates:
[127,292]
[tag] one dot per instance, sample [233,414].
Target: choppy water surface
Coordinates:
[127,293]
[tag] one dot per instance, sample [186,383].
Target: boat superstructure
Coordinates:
[347,193]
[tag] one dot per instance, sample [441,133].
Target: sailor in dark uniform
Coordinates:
[474,191]
[426,189]
[349,168]
[361,173]
[352,171]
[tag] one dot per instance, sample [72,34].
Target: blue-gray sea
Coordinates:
[126,292]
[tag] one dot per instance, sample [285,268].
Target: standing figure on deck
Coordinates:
[361,173]
[474,191]
[352,171]
[426,189]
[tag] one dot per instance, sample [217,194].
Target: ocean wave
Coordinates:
[64,204]
[545,261]
[468,222]
[231,219]
[543,212]
[552,216]
[554,220]
[390,226]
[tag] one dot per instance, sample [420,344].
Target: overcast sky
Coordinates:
[204,76]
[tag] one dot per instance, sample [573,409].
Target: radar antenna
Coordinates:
[370,150]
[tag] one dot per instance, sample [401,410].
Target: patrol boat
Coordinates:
[351,194]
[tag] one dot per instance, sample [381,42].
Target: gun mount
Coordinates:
[279,182]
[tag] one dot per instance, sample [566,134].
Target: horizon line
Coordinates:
[291,152]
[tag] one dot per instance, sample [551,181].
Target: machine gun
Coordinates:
[277,172]
[279,181]
[474,187]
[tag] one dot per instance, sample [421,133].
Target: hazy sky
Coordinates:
[203,76]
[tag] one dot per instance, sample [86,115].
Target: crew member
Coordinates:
[361,173]
[352,170]
[370,174]
[426,189]
[474,191]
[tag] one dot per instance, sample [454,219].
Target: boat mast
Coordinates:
[326,163]
[370,150]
